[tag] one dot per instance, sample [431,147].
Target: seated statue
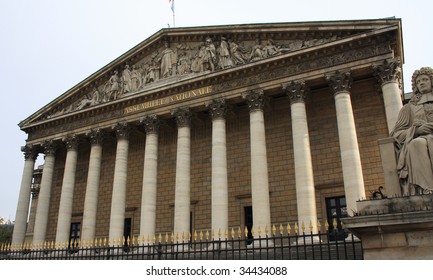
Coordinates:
[413,133]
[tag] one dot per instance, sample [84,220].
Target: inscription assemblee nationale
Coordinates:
[167,100]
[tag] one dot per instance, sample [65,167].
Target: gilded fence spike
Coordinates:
[207,235]
[296,228]
[289,229]
[189,236]
[213,234]
[274,229]
[334,223]
[303,227]
[177,236]
[201,235]
[128,241]
[220,233]
[195,235]
[166,238]
[246,231]
[232,233]
[226,234]
[160,238]
[183,236]
[326,225]
[172,237]
[319,226]
[259,231]
[154,239]
[281,229]
[239,232]
[311,226]
[266,230]
[133,240]
[252,231]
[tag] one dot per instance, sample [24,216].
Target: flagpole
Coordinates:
[174,22]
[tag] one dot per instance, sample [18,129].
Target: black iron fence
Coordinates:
[330,245]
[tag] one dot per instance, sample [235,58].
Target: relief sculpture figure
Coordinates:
[112,87]
[168,60]
[413,133]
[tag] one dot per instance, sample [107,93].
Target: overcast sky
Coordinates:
[47,47]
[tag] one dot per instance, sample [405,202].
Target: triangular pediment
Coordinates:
[179,54]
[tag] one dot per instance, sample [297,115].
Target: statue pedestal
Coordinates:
[394,228]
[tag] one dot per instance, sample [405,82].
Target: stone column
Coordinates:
[259,161]
[183,171]
[340,83]
[305,192]
[389,74]
[19,234]
[217,109]
[36,186]
[150,175]
[93,177]
[41,220]
[118,200]
[67,194]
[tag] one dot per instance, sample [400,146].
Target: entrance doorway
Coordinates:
[248,213]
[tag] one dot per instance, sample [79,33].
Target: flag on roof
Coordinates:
[171,2]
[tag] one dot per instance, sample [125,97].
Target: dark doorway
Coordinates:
[336,209]
[74,236]
[127,230]
[248,210]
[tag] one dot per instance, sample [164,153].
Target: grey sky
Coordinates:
[50,46]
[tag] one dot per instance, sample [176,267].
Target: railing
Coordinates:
[328,245]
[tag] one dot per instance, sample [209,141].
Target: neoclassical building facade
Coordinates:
[211,128]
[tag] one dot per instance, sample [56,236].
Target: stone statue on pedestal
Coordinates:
[413,133]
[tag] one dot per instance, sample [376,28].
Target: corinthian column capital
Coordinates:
[151,124]
[217,108]
[388,71]
[339,81]
[182,116]
[256,99]
[297,91]
[30,152]
[122,130]
[71,142]
[96,136]
[49,147]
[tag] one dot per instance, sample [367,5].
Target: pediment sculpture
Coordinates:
[184,60]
